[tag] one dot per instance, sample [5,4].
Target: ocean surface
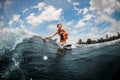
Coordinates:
[25,56]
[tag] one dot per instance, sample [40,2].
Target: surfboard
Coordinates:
[67,46]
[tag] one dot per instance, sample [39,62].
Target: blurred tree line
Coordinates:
[100,40]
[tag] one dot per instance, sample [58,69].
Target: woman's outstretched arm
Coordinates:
[52,35]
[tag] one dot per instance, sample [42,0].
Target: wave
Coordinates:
[10,37]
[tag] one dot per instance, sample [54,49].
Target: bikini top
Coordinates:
[59,31]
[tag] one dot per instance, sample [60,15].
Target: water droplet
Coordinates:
[45,57]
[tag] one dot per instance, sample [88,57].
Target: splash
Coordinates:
[10,37]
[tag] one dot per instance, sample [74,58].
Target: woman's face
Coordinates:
[59,26]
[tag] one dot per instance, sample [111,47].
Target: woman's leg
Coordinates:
[64,39]
[61,40]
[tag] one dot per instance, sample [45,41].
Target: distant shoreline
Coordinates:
[100,40]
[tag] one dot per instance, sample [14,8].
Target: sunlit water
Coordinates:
[27,57]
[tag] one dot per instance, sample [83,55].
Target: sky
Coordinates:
[82,19]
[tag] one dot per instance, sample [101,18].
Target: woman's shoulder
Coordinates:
[63,29]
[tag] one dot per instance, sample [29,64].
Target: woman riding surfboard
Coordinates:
[63,34]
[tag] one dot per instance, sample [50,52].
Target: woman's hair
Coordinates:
[59,24]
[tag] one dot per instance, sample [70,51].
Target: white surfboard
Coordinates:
[67,46]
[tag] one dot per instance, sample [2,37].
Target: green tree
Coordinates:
[100,40]
[118,35]
[107,37]
[89,41]
[83,42]
[94,41]
[80,41]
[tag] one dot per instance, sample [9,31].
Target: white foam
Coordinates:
[74,46]
[10,37]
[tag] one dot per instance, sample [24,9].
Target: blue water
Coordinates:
[27,57]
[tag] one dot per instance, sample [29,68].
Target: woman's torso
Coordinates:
[62,30]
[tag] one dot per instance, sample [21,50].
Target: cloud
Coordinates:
[87,17]
[103,10]
[2,17]
[75,3]
[94,30]
[75,38]
[77,9]
[84,37]
[25,10]
[40,6]
[69,23]
[72,39]
[113,28]
[93,36]
[80,24]
[69,1]
[52,27]
[50,13]
[7,3]
[0,5]
[110,33]
[105,6]
[15,18]
[74,32]
[21,22]
[16,22]
[1,24]
[85,10]
[114,25]
[34,20]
